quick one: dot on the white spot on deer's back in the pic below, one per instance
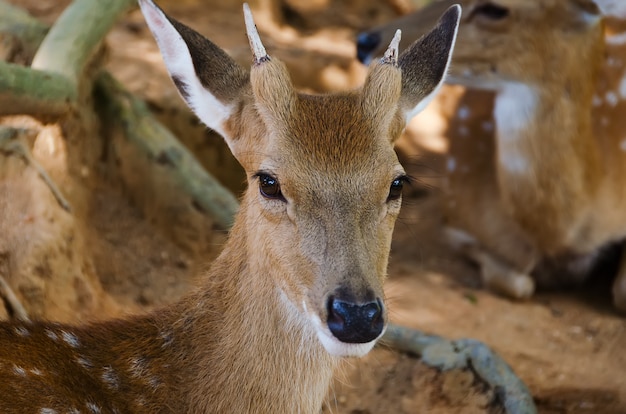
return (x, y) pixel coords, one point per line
(17, 370)
(611, 98)
(84, 362)
(622, 145)
(109, 377)
(70, 339)
(47, 411)
(36, 371)
(463, 112)
(93, 408)
(451, 164)
(51, 334)
(21, 331)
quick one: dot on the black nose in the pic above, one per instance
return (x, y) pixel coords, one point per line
(366, 43)
(354, 323)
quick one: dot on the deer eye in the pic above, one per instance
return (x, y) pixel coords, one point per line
(490, 11)
(269, 187)
(395, 190)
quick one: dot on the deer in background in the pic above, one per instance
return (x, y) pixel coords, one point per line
(542, 201)
(299, 282)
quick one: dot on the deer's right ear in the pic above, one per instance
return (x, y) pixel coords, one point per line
(425, 63)
(209, 80)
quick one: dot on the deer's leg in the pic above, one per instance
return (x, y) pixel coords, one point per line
(496, 274)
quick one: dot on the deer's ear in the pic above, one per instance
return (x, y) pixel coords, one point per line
(425, 63)
(207, 78)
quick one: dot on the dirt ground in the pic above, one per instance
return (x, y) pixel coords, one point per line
(566, 345)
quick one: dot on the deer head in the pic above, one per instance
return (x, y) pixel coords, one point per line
(324, 181)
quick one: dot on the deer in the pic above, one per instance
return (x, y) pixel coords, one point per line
(299, 284)
(537, 199)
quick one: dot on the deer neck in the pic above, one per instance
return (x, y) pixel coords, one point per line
(546, 159)
(250, 341)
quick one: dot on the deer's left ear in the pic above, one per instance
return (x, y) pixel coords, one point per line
(425, 64)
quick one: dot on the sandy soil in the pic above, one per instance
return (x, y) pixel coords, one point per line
(566, 345)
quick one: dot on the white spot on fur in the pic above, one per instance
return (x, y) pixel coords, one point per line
(463, 112)
(622, 145)
(70, 339)
(21, 331)
(36, 371)
(47, 411)
(17, 370)
(109, 377)
(74, 411)
(611, 98)
(451, 164)
(93, 408)
(84, 362)
(51, 334)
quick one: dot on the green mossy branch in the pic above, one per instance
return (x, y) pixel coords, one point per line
(34, 92)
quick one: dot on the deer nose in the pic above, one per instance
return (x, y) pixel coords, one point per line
(355, 323)
(366, 43)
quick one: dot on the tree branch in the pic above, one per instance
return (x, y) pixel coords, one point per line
(471, 354)
(73, 39)
(34, 92)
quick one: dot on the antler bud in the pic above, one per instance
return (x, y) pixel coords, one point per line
(391, 55)
(258, 50)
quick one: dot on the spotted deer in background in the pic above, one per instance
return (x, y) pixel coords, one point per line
(542, 201)
(298, 285)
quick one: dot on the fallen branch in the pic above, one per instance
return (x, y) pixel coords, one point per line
(11, 142)
(471, 354)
